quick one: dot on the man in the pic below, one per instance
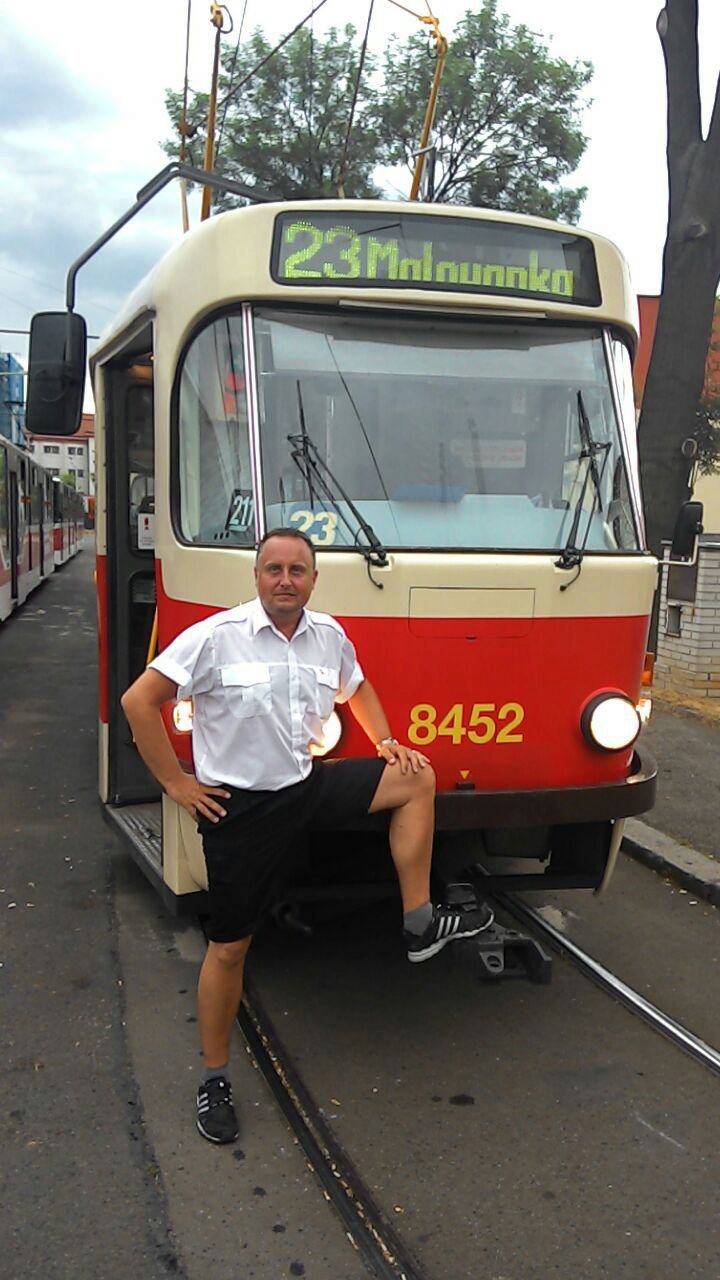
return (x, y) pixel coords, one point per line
(263, 678)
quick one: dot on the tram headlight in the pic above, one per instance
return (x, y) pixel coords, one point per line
(611, 721)
(331, 734)
(182, 716)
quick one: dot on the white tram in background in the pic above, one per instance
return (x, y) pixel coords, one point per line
(442, 399)
(41, 524)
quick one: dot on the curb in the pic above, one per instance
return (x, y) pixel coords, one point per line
(695, 871)
(705, 715)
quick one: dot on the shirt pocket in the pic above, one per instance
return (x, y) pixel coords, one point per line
(326, 683)
(247, 689)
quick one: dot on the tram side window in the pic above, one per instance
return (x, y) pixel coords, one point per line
(216, 494)
(3, 495)
(36, 496)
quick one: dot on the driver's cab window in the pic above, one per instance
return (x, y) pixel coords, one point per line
(216, 493)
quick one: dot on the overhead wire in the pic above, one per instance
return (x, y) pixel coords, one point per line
(45, 284)
(311, 102)
(441, 49)
(231, 77)
(218, 22)
(232, 92)
(183, 126)
(342, 167)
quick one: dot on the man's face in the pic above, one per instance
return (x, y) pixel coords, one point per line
(284, 577)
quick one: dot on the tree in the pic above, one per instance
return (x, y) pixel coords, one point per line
(707, 417)
(507, 128)
(691, 270)
(285, 129)
(707, 435)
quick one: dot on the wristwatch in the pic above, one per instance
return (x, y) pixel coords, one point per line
(385, 742)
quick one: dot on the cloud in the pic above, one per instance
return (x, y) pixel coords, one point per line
(36, 89)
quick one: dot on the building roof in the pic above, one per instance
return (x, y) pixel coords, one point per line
(87, 426)
(85, 431)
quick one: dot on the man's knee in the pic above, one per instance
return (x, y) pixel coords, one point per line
(396, 789)
(428, 778)
(426, 781)
(230, 955)
(418, 785)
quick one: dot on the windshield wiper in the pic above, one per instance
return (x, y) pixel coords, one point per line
(315, 470)
(572, 555)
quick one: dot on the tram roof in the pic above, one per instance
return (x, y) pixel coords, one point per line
(212, 266)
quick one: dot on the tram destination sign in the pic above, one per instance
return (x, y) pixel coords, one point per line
(405, 251)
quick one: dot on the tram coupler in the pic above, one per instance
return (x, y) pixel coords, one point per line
(497, 952)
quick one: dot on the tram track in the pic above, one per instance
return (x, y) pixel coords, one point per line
(598, 973)
(365, 1224)
(366, 1227)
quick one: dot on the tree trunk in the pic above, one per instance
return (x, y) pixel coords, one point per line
(675, 381)
(691, 269)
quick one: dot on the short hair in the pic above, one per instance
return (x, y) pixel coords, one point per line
(285, 533)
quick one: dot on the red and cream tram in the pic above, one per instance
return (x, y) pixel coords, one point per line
(442, 399)
(29, 525)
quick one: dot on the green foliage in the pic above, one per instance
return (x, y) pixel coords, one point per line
(507, 124)
(707, 417)
(507, 128)
(67, 478)
(707, 434)
(285, 130)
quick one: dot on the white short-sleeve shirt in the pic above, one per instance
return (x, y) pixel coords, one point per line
(259, 699)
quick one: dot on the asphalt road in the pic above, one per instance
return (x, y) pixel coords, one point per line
(510, 1132)
(80, 1189)
(687, 748)
(103, 1175)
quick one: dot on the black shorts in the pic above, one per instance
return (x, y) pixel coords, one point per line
(249, 852)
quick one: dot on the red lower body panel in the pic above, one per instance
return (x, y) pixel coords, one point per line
(488, 706)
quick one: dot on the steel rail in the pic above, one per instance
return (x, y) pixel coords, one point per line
(626, 995)
(366, 1227)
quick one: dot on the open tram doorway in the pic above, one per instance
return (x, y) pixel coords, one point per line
(127, 395)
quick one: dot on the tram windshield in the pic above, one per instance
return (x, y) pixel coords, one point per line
(441, 433)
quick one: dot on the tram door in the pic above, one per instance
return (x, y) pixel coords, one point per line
(130, 561)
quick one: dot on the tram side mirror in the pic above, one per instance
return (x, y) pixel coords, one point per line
(56, 373)
(688, 528)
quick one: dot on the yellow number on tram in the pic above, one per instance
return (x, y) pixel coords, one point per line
(307, 520)
(486, 723)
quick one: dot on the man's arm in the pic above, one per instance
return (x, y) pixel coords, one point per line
(141, 704)
(368, 711)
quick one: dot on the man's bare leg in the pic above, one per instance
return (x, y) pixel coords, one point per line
(411, 796)
(220, 989)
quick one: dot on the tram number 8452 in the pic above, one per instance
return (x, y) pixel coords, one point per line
(486, 723)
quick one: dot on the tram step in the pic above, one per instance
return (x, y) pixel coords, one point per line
(141, 826)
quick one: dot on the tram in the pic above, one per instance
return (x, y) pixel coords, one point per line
(442, 399)
(68, 521)
(37, 514)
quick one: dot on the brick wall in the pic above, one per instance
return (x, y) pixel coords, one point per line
(689, 661)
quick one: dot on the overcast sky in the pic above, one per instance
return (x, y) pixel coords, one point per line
(82, 111)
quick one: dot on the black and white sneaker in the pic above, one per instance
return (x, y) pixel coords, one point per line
(216, 1117)
(448, 924)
